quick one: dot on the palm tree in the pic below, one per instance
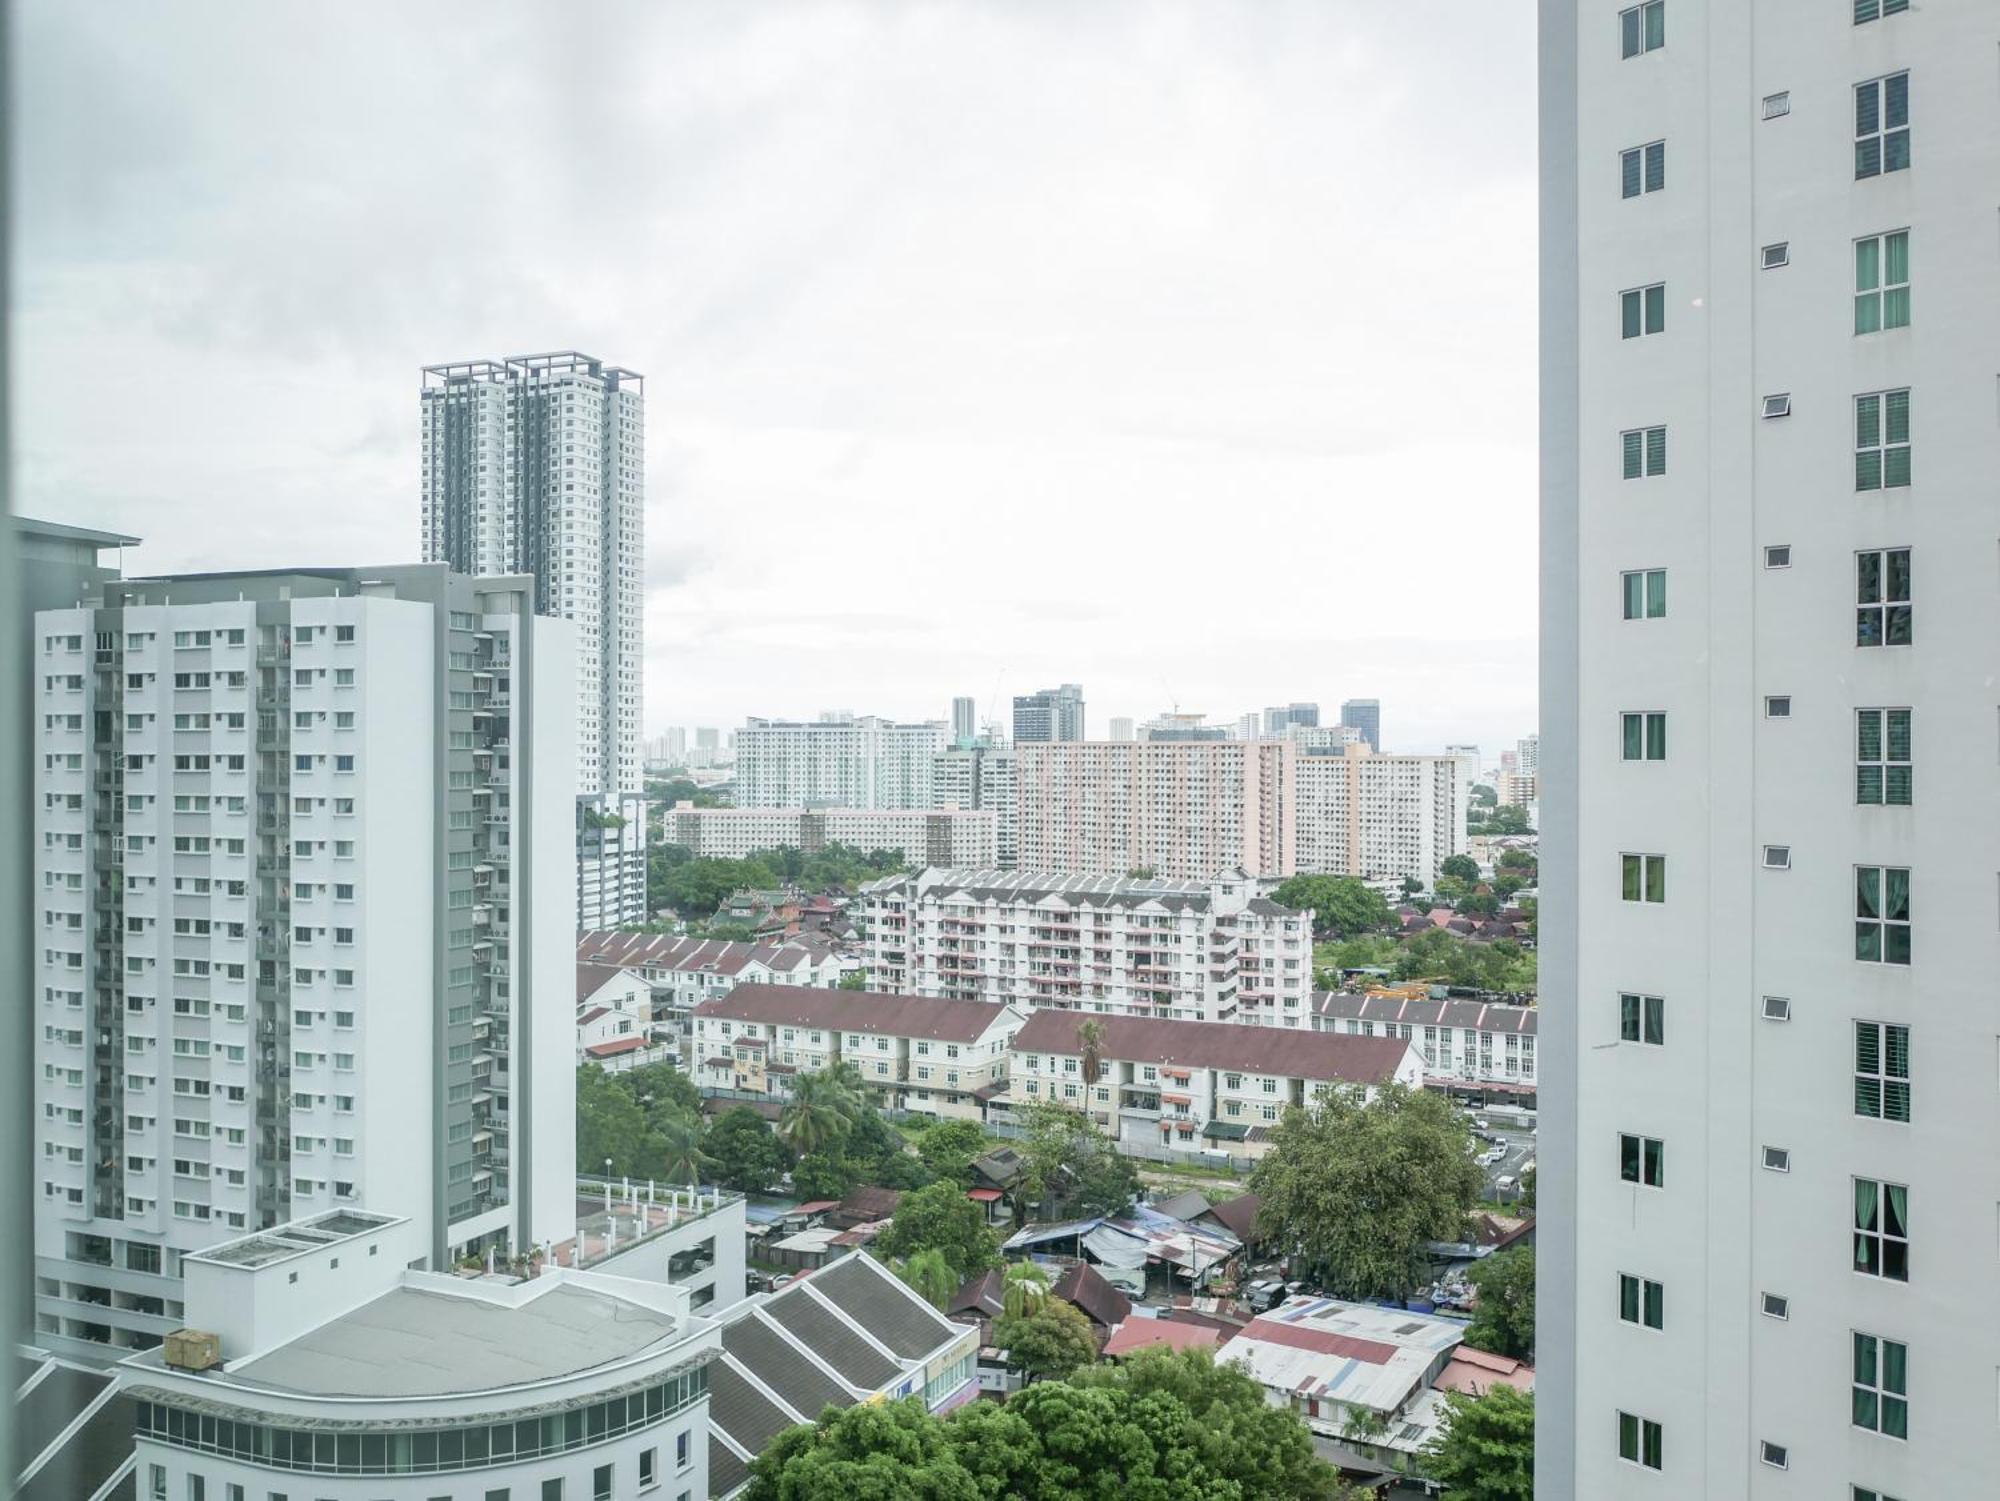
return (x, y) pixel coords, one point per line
(1024, 1290)
(1090, 1042)
(819, 1113)
(678, 1142)
(929, 1274)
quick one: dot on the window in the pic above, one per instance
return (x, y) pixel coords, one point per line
(1882, 770)
(552, 1490)
(649, 1467)
(1643, 736)
(600, 1483)
(1642, 1160)
(1643, 169)
(1645, 594)
(1882, 1230)
(682, 1454)
(1778, 255)
(1881, 914)
(1778, 706)
(1777, 105)
(1862, 1493)
(1882, 585)
(1643, 28)
(1639, 1440)
(1776, 1307)
(1642, 1019)
(1777, 1160)
(1778, 557)
(1643, 310)
(1777, 1008)
(1882, 1071)
(1881, 1386)
(1882, 440)
(1882, 125)
(1778, 406)
(1642, 1301)
(1643, 878)
(1869, 10)
(1774, 1455)
(1645, 452)
(1777, 857)
(1882, 282)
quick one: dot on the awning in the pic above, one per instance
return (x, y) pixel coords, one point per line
(1114, 1248)
(1225, 1131)
(984, 1195)
(1177, 1099)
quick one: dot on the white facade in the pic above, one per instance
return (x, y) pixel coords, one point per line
(684, 972)
(1185, 810)
(1379, 817)
(1772, 956)
(346, 1377)
(536, 464)
(836, 761)
(610, 861)
(295, 884)
(1465, 1044)
(1189, 950)
(919, 835)
(981, 777)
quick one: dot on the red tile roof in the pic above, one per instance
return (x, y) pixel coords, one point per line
(873, 1011)
(1137, 1334)
(1334, 1057)
(613, 1049)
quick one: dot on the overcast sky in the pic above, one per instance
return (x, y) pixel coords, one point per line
(1185, 351)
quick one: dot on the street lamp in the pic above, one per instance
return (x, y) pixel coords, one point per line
(607, 1185)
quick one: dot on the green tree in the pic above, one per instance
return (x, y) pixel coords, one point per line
(1412, 886)
(884, 1451)
(1512, 819)
(1516, 860)
(823, 1175)
(1339, 904)
(1090, 1043)
(1484, 796)
(1068, 1166)
(1528, 1189)
(1024, 1289)
(930, 1274)
(1459, 867)
(941, 1218)
(1051, 1340)
(1503, 1319)
(949, 1147)
(1358, 1185)
(673, 1152)
(609, 1124)
(854, 979)
(820, 1113)
(1485, 1450)
(746, 1152)
(661, 1090)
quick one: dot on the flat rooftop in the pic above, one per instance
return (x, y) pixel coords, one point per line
(414, 1342)
(294, 1239)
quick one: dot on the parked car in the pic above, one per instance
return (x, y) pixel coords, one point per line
(1506, 1184)
(1266, 1292)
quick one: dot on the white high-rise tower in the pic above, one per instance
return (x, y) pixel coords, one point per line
(1770, 330)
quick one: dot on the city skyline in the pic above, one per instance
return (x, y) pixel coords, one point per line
(974, 321)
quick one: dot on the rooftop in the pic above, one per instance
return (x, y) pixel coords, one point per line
(873, 1011)
(1480, 1016)
(1353, 1353)
(294, 1239)
(1333, 1057)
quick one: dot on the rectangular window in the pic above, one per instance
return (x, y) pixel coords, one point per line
(1643, 169)
(1882, 1230)
(600, 1483)
(1883, 613)
(1642, 1301)
(1869, 10)
(1882, 440)
(1882, 125)
(1643, 28)
(1643, 878)
(1881, 914)
(1881, 1386)
(1643, 736)
(1642, 1019)
(1882, 771)
(1882, 1071)
(1645, 594)
(1643, 310)
(1882, 282)
(1642, 1160)
(1639, 1440)
(649, 1467)
(1644, 452)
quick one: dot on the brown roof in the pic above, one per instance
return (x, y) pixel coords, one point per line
(867, 1204)
(1239, 1216)
(1081, 1284)
(1335, 1057)
(984, 1294)
(1480, 1016)
(591, 978)
(855, 1011)
(1137, 1334)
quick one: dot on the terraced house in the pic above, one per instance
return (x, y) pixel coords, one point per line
(1466, 1045)
(936, 1057)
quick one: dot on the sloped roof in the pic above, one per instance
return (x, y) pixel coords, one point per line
(873, 1011)
(1479, 1016)
(1238, 1216)
(1137, 1334)
(1335, 1057)
(592, 977)
(1083, 1285)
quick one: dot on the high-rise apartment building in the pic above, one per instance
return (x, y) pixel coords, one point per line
(1175, 725)
(1365, 715)
(1767, 1181)
(1183, 810)
(964, 721)
(303, 907)
(1528, 754)
(536, 464)
(981, 777)
(1385, 818)
(1281, 717)
(1049, 714)
(836, 761)
(1121, 727)
(922, 836)
(611, 861)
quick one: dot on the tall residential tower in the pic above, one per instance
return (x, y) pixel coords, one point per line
(1770, 331)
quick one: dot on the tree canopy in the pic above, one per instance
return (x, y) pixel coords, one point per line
(1503, 1320)
(647, 1121)
(941, 1218)
(1162, 1426)
(949, 1147)
(1358, 1186)
(1486, 1449)
(694, 886)
(745, 1152)
(1462, 867)
(1051, 1338)
(1340, 904)
(1069, 1167)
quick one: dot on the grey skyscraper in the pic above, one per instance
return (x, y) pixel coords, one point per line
(1365, 715)
(1279, 718)
(535, 464)
(964, 726)
(1049, 714)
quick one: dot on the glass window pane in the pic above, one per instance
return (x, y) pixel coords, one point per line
(1656, 582)
(1656, 450)
(1896, 151)
(1656, 25)
(1867, 421)
(1628, 169)
(1656, 1020)
(1628, 25)
(1628, 1299)
(1656, 309)
(1656, 166)
(1867, 108)
(1632, 442)
(1895, 468)
(1635, 592)
(1631, 726)
(1629, 315)
(1656, 737)
(1867, 265)
(1896, 100)
(1868, 734)
(1897, 248)
(1630, 877)
(1868, 942)
(1896, 893)
(1896, 308)
(1868, 313)
(1898, 409)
